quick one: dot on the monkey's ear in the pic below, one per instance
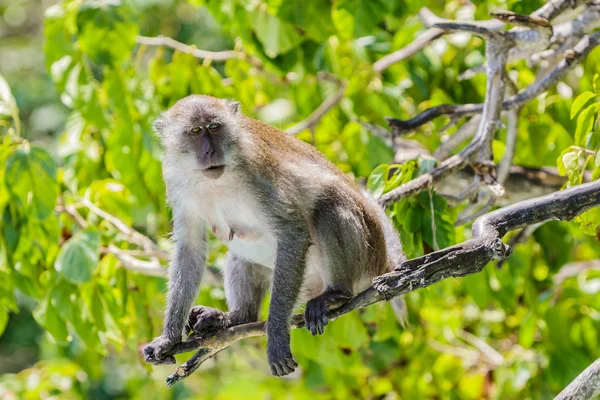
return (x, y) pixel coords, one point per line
(234, 106)
(159, 125)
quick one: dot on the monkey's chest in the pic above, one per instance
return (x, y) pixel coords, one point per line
(237, 220)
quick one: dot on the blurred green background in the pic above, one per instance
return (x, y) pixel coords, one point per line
(77, 100)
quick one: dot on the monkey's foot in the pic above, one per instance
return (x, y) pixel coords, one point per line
(207, 319)
(315, 315)
(280, 359)
(154, 353)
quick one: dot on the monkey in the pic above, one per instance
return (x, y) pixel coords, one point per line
(293, 222)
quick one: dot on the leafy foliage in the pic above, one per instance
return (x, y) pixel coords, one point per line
(95, 313)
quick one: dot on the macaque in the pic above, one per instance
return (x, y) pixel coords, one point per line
(292, 221)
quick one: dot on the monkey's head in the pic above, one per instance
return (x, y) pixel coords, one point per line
(203, 127)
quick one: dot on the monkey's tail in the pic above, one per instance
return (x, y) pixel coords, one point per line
(396, 257)
(400, 310)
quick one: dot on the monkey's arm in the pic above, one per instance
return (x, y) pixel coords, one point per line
(185, 274)
(292, 245)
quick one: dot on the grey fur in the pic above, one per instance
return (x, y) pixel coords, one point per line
(330, 241)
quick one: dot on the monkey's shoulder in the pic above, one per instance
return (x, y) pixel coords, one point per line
(280, 149)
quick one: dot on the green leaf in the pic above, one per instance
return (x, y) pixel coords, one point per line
(596, 173)
(367, 14)
(349, 332)
(96, 308)
(567, 161)
(79, 256)
(437, 221)
(7, 101)
(276, 36)
(412, 219)
(585, 123)
(31, 178)
(426, 166)
(568, 164)
(527, 331)
(48, 317)
(580, 101)
(377, 179)
(3, 319)
(590, 221)
(314, 17)
(106, 32)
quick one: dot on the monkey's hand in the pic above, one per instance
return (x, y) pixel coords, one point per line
(279, 354)
(207, 319)
(154, 353)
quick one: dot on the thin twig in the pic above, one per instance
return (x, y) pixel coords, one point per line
(218, 56)
(574, 269)
(467, 215)
(409, 50)
(148, 268)
(313, 119)
(133, 236)
(490, 353)
(462, 134)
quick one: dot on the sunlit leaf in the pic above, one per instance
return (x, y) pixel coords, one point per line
(47, 316)
(79, 256)
(377, 179)
(31, 178)
(580, 101)
(585, 122)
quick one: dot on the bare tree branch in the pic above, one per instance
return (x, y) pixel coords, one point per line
(126, 257)
(554, 8)
(469, 215)
(510, 145)
(585, 386)
(479, 151)
(465, 132)
(574, 269)
(460, 260)
(424, 39)
(133, 236)
(572, 57)
(409, 50)
(148, 268)
(218, 56)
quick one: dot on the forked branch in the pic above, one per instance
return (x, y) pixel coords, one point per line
(570, 59)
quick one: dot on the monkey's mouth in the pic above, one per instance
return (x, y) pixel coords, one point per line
(214, 171)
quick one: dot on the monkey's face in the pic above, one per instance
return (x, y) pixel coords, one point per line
(203, 127)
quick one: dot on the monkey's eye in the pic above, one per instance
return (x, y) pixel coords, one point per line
(213, 126)
(195, 130)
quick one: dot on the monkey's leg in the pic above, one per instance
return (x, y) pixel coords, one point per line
(245, 287)
(290, 264)
(341, 240)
